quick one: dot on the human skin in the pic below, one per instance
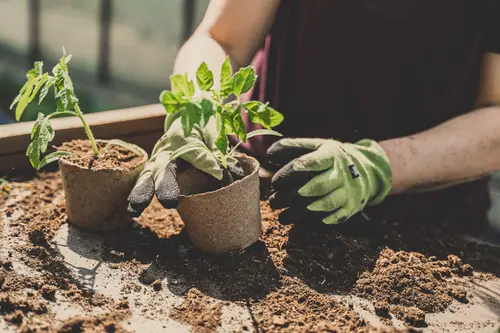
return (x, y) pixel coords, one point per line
(459, 150)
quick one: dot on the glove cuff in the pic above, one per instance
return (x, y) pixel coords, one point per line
(379, 169)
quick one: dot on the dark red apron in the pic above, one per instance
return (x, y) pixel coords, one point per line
(379, 69)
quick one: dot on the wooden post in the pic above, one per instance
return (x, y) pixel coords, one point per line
(188, 19)
(34, 32)
(103, 72)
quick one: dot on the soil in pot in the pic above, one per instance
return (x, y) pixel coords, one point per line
(96, 189)
(227, 219)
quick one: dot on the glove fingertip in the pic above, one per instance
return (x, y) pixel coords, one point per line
(140, 197)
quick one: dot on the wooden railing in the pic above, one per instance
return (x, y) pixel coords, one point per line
(140, 125)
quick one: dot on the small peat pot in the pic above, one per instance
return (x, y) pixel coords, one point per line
(227, 219)
(97, 189)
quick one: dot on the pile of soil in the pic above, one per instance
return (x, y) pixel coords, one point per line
(199, 311)
(112, 156)
(286, 280)
(410, 284)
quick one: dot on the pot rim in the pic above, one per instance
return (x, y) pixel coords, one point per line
(140, 150)
(237, 155)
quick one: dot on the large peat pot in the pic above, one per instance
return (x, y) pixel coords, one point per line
(96, 199)
(227, 219)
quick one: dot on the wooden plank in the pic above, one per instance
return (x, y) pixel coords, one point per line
(140, 125)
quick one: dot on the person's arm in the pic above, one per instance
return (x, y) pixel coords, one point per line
(462, 149)
(229, 28)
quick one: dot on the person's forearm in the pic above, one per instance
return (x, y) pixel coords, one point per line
(201, 48)
(460, 150)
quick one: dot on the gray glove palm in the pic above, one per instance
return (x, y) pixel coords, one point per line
(159, 177)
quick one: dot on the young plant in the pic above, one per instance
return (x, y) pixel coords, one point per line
(67, 104)
(224, 104)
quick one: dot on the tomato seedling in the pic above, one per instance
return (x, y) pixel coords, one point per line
(42, 132)
(196, 108)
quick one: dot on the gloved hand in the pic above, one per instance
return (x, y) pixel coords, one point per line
(327, 180)
(160, 173)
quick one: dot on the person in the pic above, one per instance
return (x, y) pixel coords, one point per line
(391, 107)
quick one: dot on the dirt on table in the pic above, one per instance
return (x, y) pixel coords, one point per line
(292, 280)
(112, 156)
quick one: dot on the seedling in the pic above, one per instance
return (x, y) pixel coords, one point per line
(67, 104)
(224, 104)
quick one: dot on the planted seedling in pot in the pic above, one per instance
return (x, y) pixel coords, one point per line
(227, 218)
(97, 174)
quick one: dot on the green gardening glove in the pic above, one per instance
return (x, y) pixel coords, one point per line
(327, 180)
(159, 176)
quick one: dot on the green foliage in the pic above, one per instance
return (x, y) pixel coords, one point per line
(39, 83)
(196, 111)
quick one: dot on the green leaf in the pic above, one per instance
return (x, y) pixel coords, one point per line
(45, 89)
(181, 86)
(204, 77)
(170, 101)
(263, 114)
(52, 157)
(262, 132)
(191, 115)
(226, 81)
(25, 97)
(198, 145)
(170, 118)
(238, 125)
(243, 80)
(40, 82)
(221, 141)
(41, 134)
(36, 71)
(33, 152)
(207, 111)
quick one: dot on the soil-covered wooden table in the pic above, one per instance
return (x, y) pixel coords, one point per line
(149, 278)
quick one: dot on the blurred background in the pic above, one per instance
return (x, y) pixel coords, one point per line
(123, 50)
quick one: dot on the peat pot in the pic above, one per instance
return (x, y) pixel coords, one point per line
(97, 199)
(227, 219)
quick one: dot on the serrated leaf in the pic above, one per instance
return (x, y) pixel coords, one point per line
(33, 152)
(181, 86)
(36, 71)
(45, 89)
(221, 141)
(226, 81)
(191, 115)
(243, 80)
(263, 114)
(52, 157)
(239, 126)
(170, 101)
(41, 134)
(204, 77)
(207, 111)
(40, 82)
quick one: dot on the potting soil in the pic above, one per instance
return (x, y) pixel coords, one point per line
(392, 277)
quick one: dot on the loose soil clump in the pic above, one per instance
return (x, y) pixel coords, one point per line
(199, 311)
(411, 281)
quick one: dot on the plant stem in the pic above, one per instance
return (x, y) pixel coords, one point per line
(87, 130)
